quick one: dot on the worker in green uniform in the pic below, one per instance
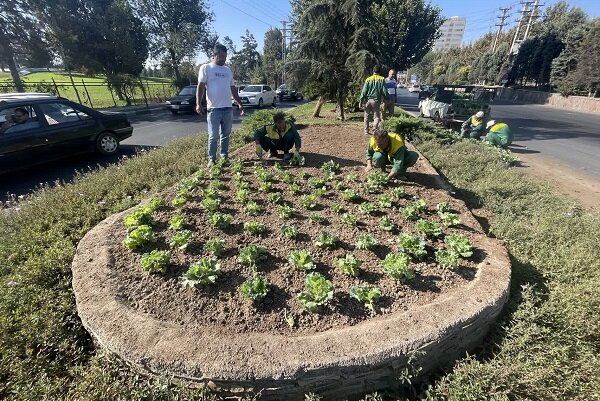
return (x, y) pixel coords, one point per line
(281, 135)
(372, 94)
(473, 126)
(499, 134)
(389, 148)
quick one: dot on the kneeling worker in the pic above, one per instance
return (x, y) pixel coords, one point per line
(281, 135)
(386, 149)
(499, 134)
(473, 126)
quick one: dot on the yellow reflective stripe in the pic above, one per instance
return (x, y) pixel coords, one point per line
(375, 78)
(396, 143)
(497, 127)
(272, 133)
(475, 121)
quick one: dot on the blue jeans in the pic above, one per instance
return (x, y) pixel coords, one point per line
(219, 118)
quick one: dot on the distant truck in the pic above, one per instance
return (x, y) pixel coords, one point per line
(450, 104)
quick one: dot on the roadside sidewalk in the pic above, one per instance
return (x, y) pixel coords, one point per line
(135, 110)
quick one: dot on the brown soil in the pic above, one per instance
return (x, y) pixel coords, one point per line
(221, 305)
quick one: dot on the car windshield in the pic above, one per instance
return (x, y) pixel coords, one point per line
(253, 88)
(284, 86)
(188, 91)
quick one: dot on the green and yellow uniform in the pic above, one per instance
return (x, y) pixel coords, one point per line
(374, 89)
(500, 135)
(395, 153)
(473, 128)
(272, 139)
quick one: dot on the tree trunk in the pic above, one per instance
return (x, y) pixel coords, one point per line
(340, 105)
(320, 103)
(175, 66)
(12, 66)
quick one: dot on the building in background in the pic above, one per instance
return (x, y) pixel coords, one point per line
(452, 32)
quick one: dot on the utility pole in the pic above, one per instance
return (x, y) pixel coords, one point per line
(500, 26)
(532, 17)
(524, 12)
(283, 38)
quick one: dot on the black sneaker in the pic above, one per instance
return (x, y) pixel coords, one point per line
(273, 153)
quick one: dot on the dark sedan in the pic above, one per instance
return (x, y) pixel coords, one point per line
(184, 101)
(285, 93)
(35, 128)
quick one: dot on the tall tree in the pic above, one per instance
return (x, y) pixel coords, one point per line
(272, 56)
(178, 29)
(587, 73)
(247, 58)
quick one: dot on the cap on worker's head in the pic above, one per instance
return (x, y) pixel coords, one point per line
(490, 123)
(479, 115)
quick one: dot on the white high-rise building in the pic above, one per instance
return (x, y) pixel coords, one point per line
(452, 32)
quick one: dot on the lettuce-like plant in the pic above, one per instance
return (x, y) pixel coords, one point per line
(316, 183)
(449, 219)
(385, 223)
(289, 232)
(411, 244)
(236, 166)
(428, 228)
(308, 201)
(176, 222)
(398, 192)
(444, 207)
(251, 255)
(181, 239)
(366, 295)
(138, 217)
(275, 197)
(326, 240)
(215, 247)
(348, 219)
(254, 227)
(241, 195)
(265, 186)
(301, 260)
(253, 208)
(367, 208)
(459, 244)
(317, 218)
(297, 160)
(284, 211)
(337, 208)
(365, 241)
(179, 201)
(220, 220)
(351, 178)
(349, 195)
(205, 271)
(295, 188)
(138, 237)
(318, 291)
(409, 212)
(395, 265)
(156, 261)
(287, 177)
(348, 265)
(211, 205)
(254, 289)
(447, 258)
(385, 201)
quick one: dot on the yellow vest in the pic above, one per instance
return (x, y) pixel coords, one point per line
(396, 142)
(475, 121)
(497, 127)
(273, 133)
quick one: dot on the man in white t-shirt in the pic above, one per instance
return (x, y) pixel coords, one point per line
(388, 104)
(217, 80)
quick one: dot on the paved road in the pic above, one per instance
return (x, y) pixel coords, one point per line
(150, 130)
(570, 137)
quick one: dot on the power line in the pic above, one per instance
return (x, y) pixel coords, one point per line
(249, 15)
(267, 13)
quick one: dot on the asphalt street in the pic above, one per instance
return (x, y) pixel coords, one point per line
(567, 136)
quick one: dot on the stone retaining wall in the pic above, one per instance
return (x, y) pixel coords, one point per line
(580, 103)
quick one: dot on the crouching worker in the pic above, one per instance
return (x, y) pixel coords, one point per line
(499, 134)
(389, 148)
(473, 126)
(281, 135)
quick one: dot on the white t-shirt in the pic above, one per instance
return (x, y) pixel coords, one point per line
(218, 80)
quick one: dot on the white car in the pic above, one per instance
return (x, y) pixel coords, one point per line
(258, 95)
(414, 88)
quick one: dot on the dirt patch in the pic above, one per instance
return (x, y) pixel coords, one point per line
(581, 187)
(221, 305)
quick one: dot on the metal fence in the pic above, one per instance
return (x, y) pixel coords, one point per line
(99, 93)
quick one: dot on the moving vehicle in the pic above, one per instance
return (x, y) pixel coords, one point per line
(456, 103)
(184, 101)
(55, 128)
(283, 92)
(258, 95)
(414, 88)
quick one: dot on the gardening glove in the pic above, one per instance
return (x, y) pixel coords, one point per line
(259, 151)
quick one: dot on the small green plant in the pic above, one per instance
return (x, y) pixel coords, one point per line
(215, 247)
(138, 237)
(337, 208)
(181, 239)
(385, 201)
(179, 201)
(326, 240)
(385, 223)
(220, 220)
(254, 289)
(254, 227)
(349, 195)
(419, 204)
(348, 265)
(156, 261)
(409, 212)
(236, 166)
(367, 208)
(318, 291)
(459, 244)
(215, 186)
(317, 218)
(304, 175)
(349, 219)
(443, 207)
(265, 186)
(176, 222)
(350, 178)
(316, 183)
(331, 167)
(138, 217)
(211, 205)
(275, 197)
(301, 260)
(449, 219)
(297, 160)
(189, 184)
(251, 255)
(375, 181)
(287, 177)
(242, 195)
(319, 192)
(199, 174)
(365, 241)
(205, 271)
(366, 295)
(398, 192)
(211, 193)
(215, 171)
(295, 188)
(289, 232)
(411, 244)
(253, 208)
(308, 201)
(284, 211)
(428, 228)
(395, 265)
(338, 185)
(446, 258)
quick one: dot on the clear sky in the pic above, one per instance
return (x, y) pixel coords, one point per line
(233, 17)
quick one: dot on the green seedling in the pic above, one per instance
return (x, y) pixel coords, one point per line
(366, 241)
(459, 244)
(385, 201)
(348, 219)
(428, 228)
(211, 205)
(317, 218)
(409, 212)
(176, 222)
(367, 208)
(254, 227)
(308, 201)
(398, 192)
(254, 289)
(348, 265)
(220, 220)
(181, 239)
(366, 295)
(251, 255)
(242, 195)
(443, 207)
(138, 217)
(449, 219)
(385, 223)
(289, 232)
(326, 240)
(349, 195)
(447, 258)
(275, 197)
(337, 208)
(205, 271)
(395, 265)
(179, 201)
(253, 208)
(412, 245)
(138, 237)
(318, 291)
(284, 212)
(295, 188)
(214, 247)
(155, 261)
(301, 260)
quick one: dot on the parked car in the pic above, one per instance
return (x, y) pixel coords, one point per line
(55, 128)
(426, 91)
(184, 101)
(414, 88)
(283, 92)
(257, 95)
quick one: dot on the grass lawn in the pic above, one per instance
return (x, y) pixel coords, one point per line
(545, 346)
(157, 89)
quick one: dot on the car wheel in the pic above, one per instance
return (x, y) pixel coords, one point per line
(281, 98)
(107, 144)
(260, 103)
(274, 104)
(174, 111)
(301, 97)
(436, 116)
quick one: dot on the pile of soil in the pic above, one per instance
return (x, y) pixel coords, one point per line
(220, 305)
